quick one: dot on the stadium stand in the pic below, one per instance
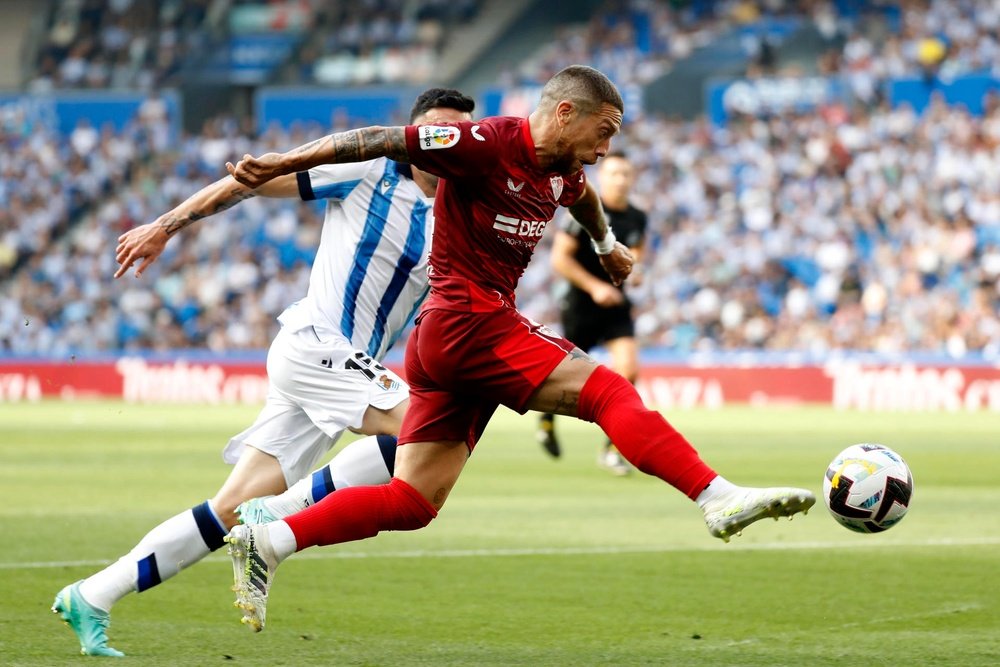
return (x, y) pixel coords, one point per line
(857, 225)
(118, 43)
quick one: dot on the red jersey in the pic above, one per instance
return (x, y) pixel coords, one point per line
(492, 205)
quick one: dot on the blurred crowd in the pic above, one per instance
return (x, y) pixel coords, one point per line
(141, 44)
(117, 43)
(941, 39)
(379, 41)
(220, 285)
(634, 41)
(849, 227)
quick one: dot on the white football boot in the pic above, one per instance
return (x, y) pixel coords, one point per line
(737, 508)
(254, 563)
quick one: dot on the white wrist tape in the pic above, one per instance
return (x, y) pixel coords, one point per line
(607, 245)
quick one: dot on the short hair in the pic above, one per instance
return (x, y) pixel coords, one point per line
(584, 86)
(441, 98)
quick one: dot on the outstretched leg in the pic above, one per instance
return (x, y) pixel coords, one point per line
(579, 387)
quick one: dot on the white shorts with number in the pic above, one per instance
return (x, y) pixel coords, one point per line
(316, 390)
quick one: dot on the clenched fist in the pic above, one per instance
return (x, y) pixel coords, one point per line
(255, 171)
(618, 263)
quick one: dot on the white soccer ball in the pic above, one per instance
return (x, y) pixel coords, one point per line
(868, 487)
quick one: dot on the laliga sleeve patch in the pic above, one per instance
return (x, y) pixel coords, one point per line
(438, 136)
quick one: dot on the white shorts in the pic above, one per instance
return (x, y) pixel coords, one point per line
(316, 390)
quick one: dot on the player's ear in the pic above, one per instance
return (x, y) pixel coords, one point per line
(565, 110)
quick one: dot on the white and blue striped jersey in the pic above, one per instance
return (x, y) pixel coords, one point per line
(370, 272)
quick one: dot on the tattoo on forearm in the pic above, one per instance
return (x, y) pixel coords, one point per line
(310, 146)
(175, 223)
(346, 147)
(369, 143)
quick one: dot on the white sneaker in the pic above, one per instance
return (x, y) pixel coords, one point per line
(254, 563)
(734, 510)
(614, 463)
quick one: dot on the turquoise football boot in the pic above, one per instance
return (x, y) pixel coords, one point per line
(255, 511)
(88, 622)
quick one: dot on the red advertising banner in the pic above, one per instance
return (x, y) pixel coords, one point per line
(135, 380)
(844, 384)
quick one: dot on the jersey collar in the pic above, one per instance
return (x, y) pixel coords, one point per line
(529, 143)
(404, 169)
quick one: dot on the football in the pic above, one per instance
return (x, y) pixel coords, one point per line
(868, 488)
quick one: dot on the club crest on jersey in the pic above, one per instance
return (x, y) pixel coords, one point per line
(438, 136)
(557, 186)
(388, 383)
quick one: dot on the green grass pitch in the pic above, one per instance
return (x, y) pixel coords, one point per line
(532, 562)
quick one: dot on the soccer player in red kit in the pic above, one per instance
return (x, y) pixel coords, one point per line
(502, 181)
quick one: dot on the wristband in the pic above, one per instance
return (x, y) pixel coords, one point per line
(605, 246)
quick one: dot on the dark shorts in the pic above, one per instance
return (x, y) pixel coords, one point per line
(461, 365)
(588, 325)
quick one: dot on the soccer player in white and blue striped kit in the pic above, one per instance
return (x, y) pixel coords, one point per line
(368, 279)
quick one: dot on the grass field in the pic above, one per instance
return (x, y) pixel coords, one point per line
(533, 561)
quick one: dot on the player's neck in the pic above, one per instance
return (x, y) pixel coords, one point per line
(426, 182)
(545, 137)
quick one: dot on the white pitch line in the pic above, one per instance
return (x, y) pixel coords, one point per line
(332, 554)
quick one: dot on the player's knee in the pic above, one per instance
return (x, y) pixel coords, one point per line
(607, 390)
(410, 510)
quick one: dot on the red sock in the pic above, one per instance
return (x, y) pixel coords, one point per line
(642, 436)
(359, 512)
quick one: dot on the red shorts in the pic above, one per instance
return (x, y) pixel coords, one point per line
(461, 365)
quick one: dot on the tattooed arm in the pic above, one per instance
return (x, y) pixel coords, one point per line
(147, 242)
(351, 146)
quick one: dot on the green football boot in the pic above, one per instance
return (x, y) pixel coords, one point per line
(88, 622)
(255, 511)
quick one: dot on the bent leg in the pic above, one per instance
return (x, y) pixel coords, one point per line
(580, 388)
(425, 475)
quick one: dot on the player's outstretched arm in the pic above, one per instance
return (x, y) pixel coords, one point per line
(616, 260)
(147, 242)
(367, 143)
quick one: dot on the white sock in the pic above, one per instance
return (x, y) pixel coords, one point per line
(365, 462)
(178, 542)
(715, 488)
(282, 539)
